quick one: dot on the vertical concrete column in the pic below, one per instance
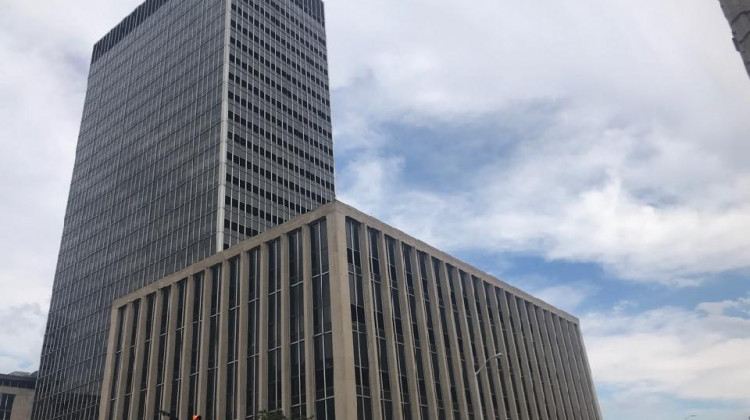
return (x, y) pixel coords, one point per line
(390, 335)
(573, 335)
(484, 377)
(187, 339)
(154, 357)
(504, 360)
(437, 326)
(202, 394)
(343, 354)
(453, 336)
(559, 353)
(372, 340)
(423, 333)
(244, 330)
(411, 366)
(534, 363)
(469, 355)
(221, 191)
(515, 358)
(124, 360)
(541, 351)
(138, 365)
(221, 370)
(550, 376)
(263, 329)
(104, 404)
(307, 290)
(286, 358)
(524, 356)
(573, 365)
(174, 296)
(587, 366)
(493, 367)
(573, 387)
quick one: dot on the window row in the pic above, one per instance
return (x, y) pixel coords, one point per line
(250, 17)
(308, 34)
(243, 122)
(180, 349)
(536, 365)
(272, 176)
(284, 145)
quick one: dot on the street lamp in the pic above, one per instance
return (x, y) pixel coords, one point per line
(476, 381)
(168, 415)
(172, 416)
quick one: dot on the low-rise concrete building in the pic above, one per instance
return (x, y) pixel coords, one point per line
(337, 315)
(16, 395)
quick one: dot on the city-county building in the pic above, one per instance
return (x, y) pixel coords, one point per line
(336, 315)
(16, 395)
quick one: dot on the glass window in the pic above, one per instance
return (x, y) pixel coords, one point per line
(213, 342)
(415, 332)
(322, 335)
(233, 335)
(485, 354)
(179, 339)
(197, 320)
(6, 406)
(438, 275)
(297, 325)
(458, 324)
(252, 334)
(162, 351)
(131, 359)
(274, 326)
(383, 348)
(398, 327)
(359, 324)
(431, 340)
(117, 362)
(143, 386)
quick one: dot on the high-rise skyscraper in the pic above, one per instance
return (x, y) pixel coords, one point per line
(205, 122)
(738, 15)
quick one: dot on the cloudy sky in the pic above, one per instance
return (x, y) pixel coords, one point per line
(594, 153)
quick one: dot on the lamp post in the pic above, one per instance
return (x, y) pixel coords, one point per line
(170, 416)
(476, 381)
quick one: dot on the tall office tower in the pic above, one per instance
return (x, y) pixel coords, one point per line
(336, 315)
(205, 122)
(738, 15)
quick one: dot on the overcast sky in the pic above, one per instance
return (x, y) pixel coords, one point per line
(594, 153)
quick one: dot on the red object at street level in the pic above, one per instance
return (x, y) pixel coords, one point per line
(196, 417)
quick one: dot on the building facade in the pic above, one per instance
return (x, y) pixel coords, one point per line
(337, 315)
(738, 15)
(16, 395)
(205, 122)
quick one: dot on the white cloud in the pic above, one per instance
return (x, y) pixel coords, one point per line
(629, 125)
(633, 153)
(701, 354)
(650, 406)
(45, 46)
(21, 333)
(630, 117)
(567, 297)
